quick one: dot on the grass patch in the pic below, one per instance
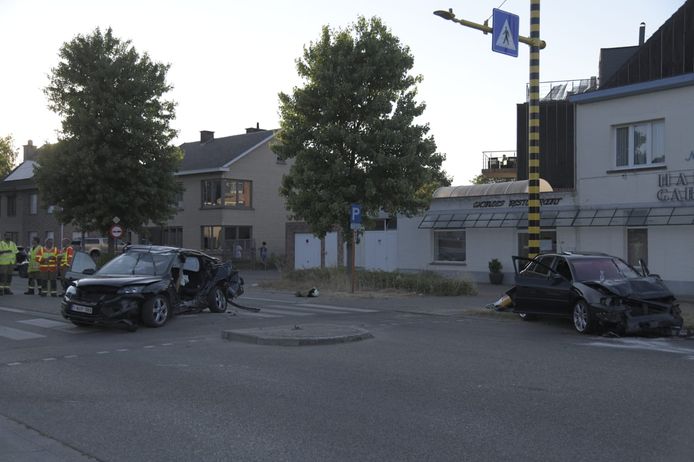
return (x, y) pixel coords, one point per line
(338, 280)
(688, 316)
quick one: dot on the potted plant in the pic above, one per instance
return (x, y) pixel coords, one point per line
(495, 274)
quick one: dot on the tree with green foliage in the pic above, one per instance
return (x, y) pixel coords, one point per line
(481, 179)
(8, 155)
(114, 156)
(350, 130)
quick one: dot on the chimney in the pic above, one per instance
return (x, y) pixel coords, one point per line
(254, 129)
(206, 136)
(30, 151)
(642, 33)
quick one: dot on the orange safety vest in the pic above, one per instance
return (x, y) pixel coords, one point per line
(66, 256)
(48, 259)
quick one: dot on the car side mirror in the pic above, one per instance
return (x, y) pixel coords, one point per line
(557, 279)
(89, 271)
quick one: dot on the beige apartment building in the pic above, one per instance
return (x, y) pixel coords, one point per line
(231, 202)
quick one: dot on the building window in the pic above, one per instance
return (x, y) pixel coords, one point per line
(172, 235)
(640, 144)
(50, 235)
(33, 204)
(211, 238)
(637, 246)
(449, 246)
(226, 193)
(31, 235)
(179, 197)
(11, 206)
(548, 242)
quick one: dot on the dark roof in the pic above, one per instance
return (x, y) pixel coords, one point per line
(667, 53)
(218, 152)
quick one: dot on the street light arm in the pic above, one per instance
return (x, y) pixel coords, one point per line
(450, 16)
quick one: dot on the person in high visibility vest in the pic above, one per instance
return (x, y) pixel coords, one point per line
(64, 262)
(8, 258)
(33, 273)
(47, 256)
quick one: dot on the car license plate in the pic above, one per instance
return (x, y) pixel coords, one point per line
(81, 308)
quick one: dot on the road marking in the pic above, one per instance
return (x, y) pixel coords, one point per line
(45, 323)
(659, 345)
(14, 364)
(49, 359)
(17, 334)
(11, 310)
(285, 311)
(338, 308)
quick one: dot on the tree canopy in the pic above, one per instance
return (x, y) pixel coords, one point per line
(8, 155)
(350, 130)
(114, 155)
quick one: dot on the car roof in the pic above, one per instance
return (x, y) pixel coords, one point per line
(161, 249)
(577, 254)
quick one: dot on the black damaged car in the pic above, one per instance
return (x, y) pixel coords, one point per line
(147, 284)
(596, 291)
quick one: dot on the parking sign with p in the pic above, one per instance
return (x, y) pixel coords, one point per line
(355, 216)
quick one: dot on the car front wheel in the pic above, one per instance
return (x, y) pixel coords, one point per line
(583, 322)
(155, 311)
(217, 302)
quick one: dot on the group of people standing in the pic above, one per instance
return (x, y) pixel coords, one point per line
(47, 264)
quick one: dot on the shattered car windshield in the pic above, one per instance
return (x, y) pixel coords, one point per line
(139, 264)
(597, 269)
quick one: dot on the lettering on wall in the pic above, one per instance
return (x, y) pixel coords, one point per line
(690, 157)
(514, 202)
(676, 187)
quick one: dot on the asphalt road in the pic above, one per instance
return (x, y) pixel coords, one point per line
(450, 387)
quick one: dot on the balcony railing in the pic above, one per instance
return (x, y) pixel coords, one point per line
(560, 90)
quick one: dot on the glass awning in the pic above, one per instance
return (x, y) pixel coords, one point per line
(558, 218)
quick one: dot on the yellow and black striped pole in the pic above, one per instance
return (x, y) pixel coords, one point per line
(534, 134)
(536, 44)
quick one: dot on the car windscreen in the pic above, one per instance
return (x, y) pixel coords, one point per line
(597, 269)
(138, 263)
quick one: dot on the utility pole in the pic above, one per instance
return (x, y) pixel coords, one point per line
(536, 44)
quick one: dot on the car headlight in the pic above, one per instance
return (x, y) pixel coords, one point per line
(610, 301)
(130, 290)
(70, 292)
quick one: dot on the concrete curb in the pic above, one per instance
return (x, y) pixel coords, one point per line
(313, 334)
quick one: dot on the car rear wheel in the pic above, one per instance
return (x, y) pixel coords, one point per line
(217, 302)
(155, 311)
(583, 322)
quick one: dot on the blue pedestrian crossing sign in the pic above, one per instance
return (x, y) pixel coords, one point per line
(505, 33)
(355, 216)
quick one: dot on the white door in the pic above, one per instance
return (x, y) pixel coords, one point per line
(306, 251)
(331, 250)
(381, 250)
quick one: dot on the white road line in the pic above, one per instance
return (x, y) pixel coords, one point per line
(257, 315)
(273, 300)
(45, 323)
(338, 308)
(17, 334)
(285, 312)
(11, 310)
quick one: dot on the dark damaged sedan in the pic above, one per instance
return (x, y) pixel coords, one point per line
(148, 284)
(596, 291)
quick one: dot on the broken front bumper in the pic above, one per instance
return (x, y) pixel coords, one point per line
(639, 319)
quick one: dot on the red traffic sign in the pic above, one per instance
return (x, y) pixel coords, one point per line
(116, 231)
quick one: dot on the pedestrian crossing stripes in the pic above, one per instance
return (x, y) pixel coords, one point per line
(269, 308)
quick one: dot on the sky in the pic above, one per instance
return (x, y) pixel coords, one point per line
(230, 59)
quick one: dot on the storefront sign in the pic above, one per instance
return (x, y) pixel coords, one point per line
(676, 186)
(513, 203)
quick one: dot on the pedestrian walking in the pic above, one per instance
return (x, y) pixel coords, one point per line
(33, 274)
(8, 258)
(47, 257)
(263, 254)
(64, 261)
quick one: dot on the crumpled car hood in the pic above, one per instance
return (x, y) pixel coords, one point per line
(117, 281)
(647, 288)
